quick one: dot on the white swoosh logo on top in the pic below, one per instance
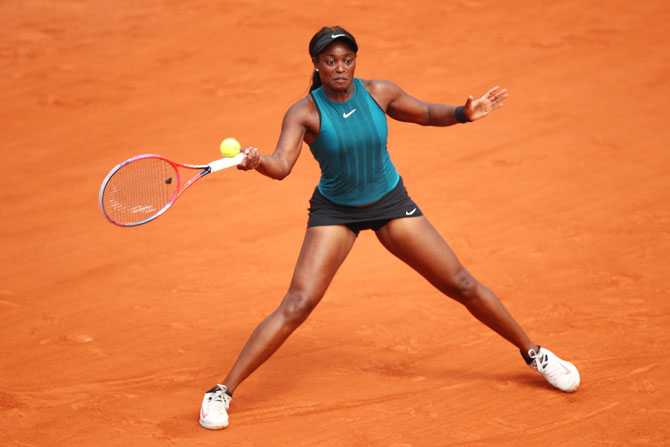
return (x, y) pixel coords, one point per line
(347, 115)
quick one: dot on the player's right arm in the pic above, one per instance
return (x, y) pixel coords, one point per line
(280, 163)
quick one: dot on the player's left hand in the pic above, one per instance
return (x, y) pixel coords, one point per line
(478, 108)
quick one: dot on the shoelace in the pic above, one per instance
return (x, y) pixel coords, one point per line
(542, 365)
(219, 400)
(539, 363)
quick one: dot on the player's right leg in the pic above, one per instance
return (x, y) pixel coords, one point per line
(323, 251)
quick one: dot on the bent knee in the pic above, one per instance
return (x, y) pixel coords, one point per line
(462, 286)
(297, 306)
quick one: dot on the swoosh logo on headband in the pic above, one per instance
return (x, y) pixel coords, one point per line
(335, 36)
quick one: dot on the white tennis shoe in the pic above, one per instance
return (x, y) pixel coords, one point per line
(214, 409)
(563, 375)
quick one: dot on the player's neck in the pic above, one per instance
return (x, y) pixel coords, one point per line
(339, 95)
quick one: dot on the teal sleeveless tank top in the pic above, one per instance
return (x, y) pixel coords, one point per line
(351, 149)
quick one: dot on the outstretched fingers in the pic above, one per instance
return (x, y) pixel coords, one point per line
(487, 103)
(496, 96)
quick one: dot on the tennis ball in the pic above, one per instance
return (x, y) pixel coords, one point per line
(230, 147)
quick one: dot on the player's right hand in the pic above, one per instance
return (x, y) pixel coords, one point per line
(251, 160)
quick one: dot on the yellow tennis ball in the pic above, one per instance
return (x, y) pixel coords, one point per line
(230, 147)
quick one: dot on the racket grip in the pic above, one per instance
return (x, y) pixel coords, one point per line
(227, 162)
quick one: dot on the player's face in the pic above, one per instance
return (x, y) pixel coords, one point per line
(336, 64)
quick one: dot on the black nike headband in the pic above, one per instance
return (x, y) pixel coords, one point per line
(326, 39)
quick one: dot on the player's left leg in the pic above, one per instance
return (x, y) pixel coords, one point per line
(416, 242)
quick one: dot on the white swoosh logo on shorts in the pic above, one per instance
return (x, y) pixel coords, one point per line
(347, 115)
(409, 213)
(335, 36)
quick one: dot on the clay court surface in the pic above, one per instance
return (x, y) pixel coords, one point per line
(559, 202)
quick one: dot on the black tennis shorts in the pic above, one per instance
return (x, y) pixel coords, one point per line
(393, 205)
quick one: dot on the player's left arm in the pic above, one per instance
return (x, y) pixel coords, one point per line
(404, 107)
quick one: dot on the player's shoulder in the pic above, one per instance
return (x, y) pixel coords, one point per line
(380, 86)
(305, 105)
(301, 110)
(382, 91)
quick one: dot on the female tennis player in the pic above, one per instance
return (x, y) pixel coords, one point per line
(343, 120)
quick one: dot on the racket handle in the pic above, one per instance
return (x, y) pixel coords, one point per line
(227, 162)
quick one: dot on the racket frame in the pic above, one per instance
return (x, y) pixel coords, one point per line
(214, 166)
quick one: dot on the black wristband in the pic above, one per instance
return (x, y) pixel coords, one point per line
(460, 115)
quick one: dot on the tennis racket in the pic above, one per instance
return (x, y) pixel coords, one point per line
(144, 187)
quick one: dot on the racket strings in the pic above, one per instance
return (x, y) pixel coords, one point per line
(140, 190)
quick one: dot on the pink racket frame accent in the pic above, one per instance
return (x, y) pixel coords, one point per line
(205, 169)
